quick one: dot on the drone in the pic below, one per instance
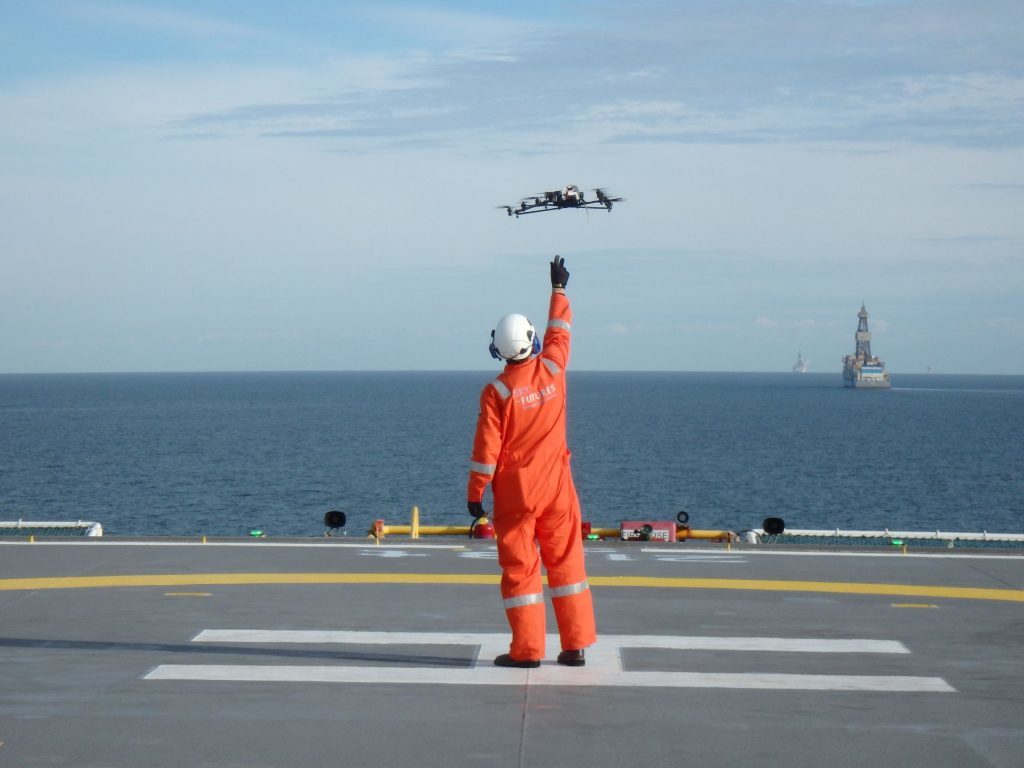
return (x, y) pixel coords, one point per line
(567, 197)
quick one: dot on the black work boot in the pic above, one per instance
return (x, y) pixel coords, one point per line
(572, 658)
(505, 660)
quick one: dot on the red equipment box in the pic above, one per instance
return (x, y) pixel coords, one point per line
(648, 530)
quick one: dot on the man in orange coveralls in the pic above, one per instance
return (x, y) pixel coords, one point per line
(520, 448)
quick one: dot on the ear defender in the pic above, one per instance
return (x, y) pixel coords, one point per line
(493, 349)
(535, 346)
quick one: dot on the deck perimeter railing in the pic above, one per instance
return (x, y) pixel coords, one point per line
(48, 528)
(948, 539)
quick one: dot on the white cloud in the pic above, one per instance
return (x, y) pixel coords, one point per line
(633, 109)
(773, 165)
(457, 27)
(615, 329)
(233, 337)
(486, 68)
(163, 20)
(1010, 325)
(635, 75)
(799, 325)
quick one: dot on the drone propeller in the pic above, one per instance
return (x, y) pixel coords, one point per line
(603, 197)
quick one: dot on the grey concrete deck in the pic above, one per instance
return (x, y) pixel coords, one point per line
(380, 656)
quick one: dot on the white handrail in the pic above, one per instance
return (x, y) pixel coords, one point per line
(887, 534)
(90, 528)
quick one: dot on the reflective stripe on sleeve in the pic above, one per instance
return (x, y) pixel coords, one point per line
(551, 365)
(483, 469)
(520, 600)
(560, 324)
(504, 391)
(570, 589)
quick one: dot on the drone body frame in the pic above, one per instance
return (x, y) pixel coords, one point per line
(567, 197)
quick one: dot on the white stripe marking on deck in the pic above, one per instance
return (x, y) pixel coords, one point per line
(605, 642)
(604, 663)
(548, 674)
(359, 542)
(911, 555)
(915, 555)
(377, 552)
(688, 558)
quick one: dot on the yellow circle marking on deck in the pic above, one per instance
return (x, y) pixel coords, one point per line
(766, 585)
(210, 579)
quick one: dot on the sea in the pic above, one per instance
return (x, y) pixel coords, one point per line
(227, 454)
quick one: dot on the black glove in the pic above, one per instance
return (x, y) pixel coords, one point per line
(559, 274)
(476, 509)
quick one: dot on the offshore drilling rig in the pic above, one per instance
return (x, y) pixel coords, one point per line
(862, 370)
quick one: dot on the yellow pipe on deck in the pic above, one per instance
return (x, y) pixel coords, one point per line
(681, 533)
(691, 533)
(379, 530)
(424, 530)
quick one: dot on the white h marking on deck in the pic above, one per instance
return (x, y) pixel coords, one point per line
(604, 665)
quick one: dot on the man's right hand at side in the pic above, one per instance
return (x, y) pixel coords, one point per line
(476, 509)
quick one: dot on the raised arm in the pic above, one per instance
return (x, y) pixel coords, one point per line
(558, 333)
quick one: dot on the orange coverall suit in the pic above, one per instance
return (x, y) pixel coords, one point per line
(520, 448)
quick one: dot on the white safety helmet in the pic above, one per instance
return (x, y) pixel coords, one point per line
(514, 338)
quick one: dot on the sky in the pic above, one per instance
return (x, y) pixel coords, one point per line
(246, 186)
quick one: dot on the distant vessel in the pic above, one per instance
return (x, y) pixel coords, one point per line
(800, 366)
(862, 370)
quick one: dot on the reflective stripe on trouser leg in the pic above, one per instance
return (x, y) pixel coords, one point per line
(520, 600)
(574, 613)
(570, 589)
(521, 585)
(527, 624)
(562, 550)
